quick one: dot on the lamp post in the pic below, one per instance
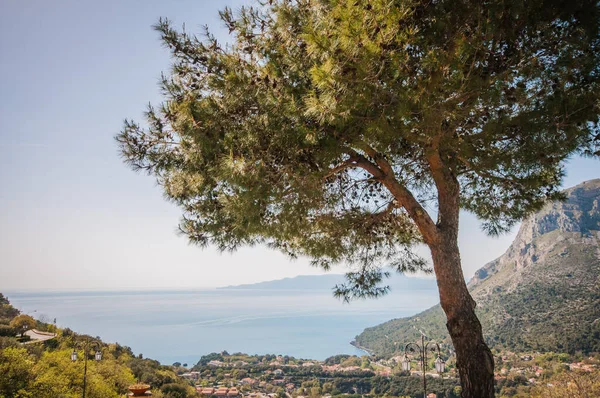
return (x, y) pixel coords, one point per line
(440, 365)
(86, 345)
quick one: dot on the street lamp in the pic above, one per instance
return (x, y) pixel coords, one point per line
(86, 345)
(440, 365)
(406, 363)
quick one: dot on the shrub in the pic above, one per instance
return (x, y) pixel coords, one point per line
(7, 331)
(173, 390)
(6, 342)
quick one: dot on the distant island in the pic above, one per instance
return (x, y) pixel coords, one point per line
(328, 281)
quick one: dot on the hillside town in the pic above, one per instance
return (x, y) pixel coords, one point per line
(275, 376)
(240, 375)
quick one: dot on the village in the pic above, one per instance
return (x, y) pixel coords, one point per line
(285, 376)
(240, 375)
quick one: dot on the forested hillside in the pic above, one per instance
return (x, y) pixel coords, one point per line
(31, 369)
(542, 294)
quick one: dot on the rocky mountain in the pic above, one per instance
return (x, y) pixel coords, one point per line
(542, 294)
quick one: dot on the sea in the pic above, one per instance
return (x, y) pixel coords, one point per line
(182, 325)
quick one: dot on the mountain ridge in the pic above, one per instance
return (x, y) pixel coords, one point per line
(328, 281)
(542, 294)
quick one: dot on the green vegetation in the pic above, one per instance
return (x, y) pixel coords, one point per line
(22, 323)
(7, 311)
(51, 373)
(45, 369)
(388, 339)
(568, 385)
(549, 375)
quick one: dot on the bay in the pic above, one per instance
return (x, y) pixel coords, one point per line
(183, 325)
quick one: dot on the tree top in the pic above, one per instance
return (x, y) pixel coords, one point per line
(334, 128)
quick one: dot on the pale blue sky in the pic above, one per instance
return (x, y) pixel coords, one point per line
(71, 214)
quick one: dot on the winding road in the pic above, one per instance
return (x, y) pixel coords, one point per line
(39, 336)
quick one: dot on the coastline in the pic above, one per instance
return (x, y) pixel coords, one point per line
(303, 325)
(358, 346)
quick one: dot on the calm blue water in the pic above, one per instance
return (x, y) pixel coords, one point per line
(183, 325)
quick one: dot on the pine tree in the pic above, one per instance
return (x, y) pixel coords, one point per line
(349, 131)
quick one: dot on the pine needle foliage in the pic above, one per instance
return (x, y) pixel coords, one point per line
(301, 132)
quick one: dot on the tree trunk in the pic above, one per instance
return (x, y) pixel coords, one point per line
(474, 359)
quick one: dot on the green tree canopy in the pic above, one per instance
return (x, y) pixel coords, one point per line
(283, 136)
(348, 131)
(7, 311)
(15, 371)
(23, 323)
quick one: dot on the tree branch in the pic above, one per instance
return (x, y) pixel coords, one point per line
(447, 187)
(351, 162)
(483, 173)
(384, 172)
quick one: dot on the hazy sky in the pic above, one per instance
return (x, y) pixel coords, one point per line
(72, 215)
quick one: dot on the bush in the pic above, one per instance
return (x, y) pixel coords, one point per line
(51, 344)
(6, 342)
(173, 390)
(7, 331)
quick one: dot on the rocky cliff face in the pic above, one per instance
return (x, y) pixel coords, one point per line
(543, 293)
(558, 224)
